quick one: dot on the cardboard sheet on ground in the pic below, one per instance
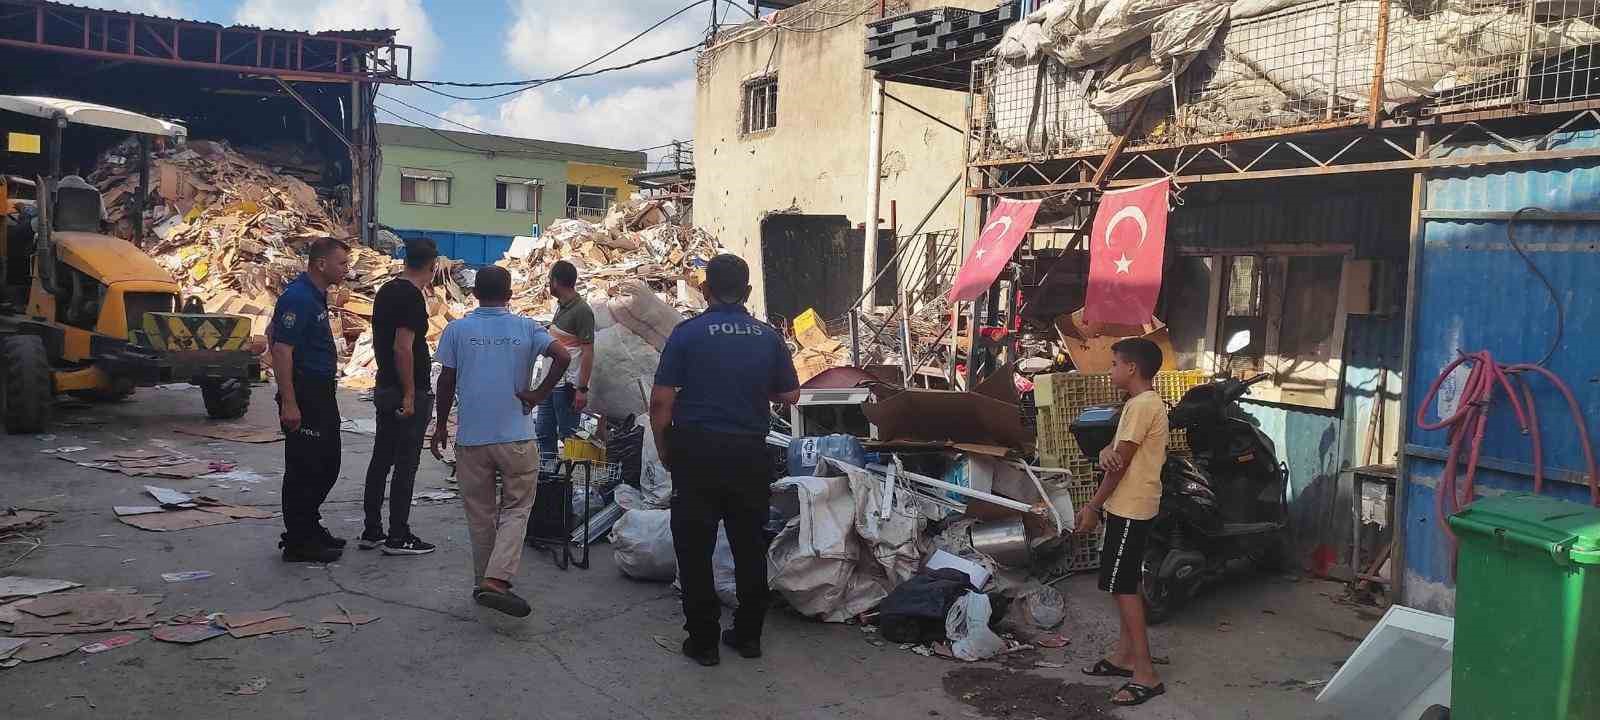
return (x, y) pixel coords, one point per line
(236, 433)
(187, 634)
(17, 586)
(13, 520)
(142, 463)
(44, 648)
(9, 645)
(9, 612)
(176, 520)
(239, 512)
(86, 612)
(283, 624)
(236, 620)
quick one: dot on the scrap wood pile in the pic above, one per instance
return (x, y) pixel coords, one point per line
(233, 230)
(636, 241)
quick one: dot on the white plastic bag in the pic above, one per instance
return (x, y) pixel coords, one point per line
(643, 543)
(967, 626)
(655, 481)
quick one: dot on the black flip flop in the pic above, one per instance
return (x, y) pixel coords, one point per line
(1140, 693)
(1104, 668)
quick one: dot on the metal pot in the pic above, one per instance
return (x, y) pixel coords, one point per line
(1006, 541)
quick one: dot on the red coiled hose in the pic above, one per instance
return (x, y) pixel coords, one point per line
(1472, 414)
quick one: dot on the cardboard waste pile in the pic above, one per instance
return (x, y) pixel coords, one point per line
(636, 241)
(233, 232)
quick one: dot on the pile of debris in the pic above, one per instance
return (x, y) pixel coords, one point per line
(233, 231)
(636, 241)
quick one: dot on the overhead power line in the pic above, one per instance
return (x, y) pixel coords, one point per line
(541, 83)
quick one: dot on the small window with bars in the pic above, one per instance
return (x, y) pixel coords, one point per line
(760, 105)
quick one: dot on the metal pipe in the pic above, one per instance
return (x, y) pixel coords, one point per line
(905, 338)
(855, 337)
(869, 261)
(1419, 202)
(313, 110)
(1375, 101)
(144, 189)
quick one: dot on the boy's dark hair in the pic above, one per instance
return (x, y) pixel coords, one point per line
(1142, 353)
(493, 284)
(420, 252)
(564, 274)
(727, 276)
(324, 247)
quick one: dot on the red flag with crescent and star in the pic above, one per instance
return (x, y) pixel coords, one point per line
(1126, 249)
(1009, 222)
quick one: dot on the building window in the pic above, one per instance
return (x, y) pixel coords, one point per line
(589, 202)
(424, 187)
(516, 195)
(760, 105)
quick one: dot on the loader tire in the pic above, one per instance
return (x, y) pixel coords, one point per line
(226, 399)
(25, 384)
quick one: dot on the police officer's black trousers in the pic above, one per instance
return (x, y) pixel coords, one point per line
(720, 477)
(310, 458)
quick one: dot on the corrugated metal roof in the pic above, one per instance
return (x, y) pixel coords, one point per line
(453, 141)
(380, 35)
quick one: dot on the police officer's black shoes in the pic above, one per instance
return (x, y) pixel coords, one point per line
(327, 539)
(308, 552)
(706, 657)
(751, 649)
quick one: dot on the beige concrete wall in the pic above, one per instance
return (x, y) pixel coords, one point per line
(815, 160)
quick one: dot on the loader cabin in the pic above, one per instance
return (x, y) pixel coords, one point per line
(82, 311)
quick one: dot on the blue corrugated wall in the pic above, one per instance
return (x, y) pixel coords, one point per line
(1474, 293)
(475, 249)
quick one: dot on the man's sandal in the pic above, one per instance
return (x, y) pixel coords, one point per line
(1139, 693)
(1104, 668)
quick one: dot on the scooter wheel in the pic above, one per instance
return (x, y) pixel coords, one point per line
(1162, 596)
(1436, 712)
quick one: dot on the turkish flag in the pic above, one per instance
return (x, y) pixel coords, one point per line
(1009, 222)
(1126, 248)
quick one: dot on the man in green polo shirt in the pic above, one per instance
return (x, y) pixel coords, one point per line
(573, 329)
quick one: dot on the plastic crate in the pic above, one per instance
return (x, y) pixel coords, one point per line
(1060, 398)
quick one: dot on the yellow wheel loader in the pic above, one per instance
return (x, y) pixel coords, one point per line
(82, 311)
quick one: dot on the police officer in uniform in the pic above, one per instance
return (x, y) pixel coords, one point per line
(709, 415)
(305, 362)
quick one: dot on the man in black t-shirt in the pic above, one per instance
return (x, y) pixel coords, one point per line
(403, 400)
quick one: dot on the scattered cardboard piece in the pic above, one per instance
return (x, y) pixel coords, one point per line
(17, 586)
(176, 520)
(245, 619)
(14, 520)
(44, 648)
(169, 497)
(187, 633)
(9, 645)
(283, 624)
(130, 510)
(252, 434)
(86, 612)
(239, 512)
(11, 611)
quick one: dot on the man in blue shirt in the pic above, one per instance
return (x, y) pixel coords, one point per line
(709, 413)
(488, 358)
(305, 363)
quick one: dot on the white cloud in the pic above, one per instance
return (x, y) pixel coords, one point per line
(548, 38)
(635, 117)
(408, 16)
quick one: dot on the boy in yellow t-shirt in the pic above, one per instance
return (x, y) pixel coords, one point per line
(1130, 495)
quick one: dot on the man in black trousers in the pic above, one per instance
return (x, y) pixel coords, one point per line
(709, 414)
(305, 363)
(403, 400)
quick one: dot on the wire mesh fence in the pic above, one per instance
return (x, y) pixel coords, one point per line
(1303, 64)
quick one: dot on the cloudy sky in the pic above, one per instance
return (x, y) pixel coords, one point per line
(498, 40)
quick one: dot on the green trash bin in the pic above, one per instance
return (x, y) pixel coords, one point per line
(1527, 631)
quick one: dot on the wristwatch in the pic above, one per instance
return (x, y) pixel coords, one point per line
(583, 388)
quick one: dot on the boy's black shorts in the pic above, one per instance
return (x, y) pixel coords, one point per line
(1122, 554)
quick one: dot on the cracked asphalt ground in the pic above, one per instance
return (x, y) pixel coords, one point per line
(588, 651)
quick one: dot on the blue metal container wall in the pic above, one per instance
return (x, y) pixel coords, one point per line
(1474, 293)
(475, 249)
